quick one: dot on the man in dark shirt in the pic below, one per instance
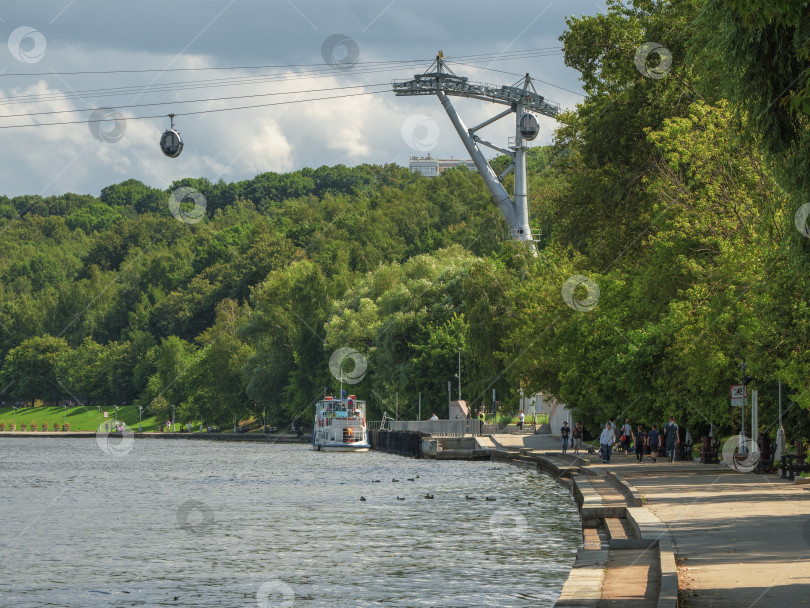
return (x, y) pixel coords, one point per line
(672, 438)
(564, 433)
(641, 442)
(654, 440)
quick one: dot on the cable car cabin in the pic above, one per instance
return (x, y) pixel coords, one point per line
(171, 144)
(529, 127)
(340, 424)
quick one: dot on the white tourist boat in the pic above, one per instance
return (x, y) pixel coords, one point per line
(340, 424)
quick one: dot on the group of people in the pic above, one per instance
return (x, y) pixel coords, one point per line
(639, 440)
(575, 435)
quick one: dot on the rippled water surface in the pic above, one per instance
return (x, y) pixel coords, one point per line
(194, 523)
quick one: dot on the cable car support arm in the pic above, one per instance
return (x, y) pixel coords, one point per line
(443, 82)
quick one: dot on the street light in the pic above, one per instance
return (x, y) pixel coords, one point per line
(140, 411)
(99, 416)
(173, 419)
(64, 421)
(459, 373)
(743, 448)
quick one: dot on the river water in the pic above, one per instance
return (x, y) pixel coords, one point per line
(196, 523)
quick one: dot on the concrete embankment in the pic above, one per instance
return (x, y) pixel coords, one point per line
(627, 554)
(663, 535)
(255, 437)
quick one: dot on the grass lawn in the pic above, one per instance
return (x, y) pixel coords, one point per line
(80, 418)
(87, 419)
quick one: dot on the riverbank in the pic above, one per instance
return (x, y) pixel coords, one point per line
(676, 534)
(256, 437)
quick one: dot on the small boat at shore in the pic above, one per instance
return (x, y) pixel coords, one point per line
(340, 425)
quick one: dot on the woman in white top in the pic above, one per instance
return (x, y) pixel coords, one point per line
(606, 440)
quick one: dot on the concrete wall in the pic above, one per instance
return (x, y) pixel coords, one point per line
(559, 414)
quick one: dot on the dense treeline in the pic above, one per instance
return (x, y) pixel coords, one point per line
(668, 194)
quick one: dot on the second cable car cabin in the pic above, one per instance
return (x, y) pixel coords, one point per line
(171, 144)
(340, 424)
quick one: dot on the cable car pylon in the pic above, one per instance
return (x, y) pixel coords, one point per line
(523, 100)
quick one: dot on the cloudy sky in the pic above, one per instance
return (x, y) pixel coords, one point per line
(308, 45)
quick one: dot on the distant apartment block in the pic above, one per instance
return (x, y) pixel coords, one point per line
(431, 167)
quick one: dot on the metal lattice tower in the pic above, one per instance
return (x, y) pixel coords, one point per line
(521, 98)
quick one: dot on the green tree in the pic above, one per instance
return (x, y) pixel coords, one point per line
(30, 370)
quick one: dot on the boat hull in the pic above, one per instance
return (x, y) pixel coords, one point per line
(338, 447)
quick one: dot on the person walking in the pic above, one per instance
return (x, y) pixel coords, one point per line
(481, 418)
(615, 428)
(627, 433)
(672, 438)
(521, 419)
(576, 436)
(641, 442)
(564, 433)
(606, 440)
(654, 441)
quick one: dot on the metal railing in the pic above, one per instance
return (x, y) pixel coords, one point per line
(439, 428)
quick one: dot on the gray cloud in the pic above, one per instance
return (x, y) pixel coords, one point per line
(92, 35)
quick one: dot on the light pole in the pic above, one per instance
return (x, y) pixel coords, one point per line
(742, 446)
(459, 373)
(15, 417)
(99, 416)
(64, 420)
(172, 419)
(140, 411)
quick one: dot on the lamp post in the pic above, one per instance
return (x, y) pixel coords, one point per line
(64, 420)
(99, 416)
(742, 446)
(459, 373)
(140, 411)
(15, 417)
(173, 419)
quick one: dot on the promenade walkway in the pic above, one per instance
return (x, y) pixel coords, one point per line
(741, 540)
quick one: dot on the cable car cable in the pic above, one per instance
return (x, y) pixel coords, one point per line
(167, 103)
(505, 54)
(234, 81)
(261, 105)
(230, 81)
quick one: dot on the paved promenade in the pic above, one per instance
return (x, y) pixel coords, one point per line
(740, 539)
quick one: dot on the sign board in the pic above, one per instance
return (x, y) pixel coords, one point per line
(738, 391)
(105, 414)
(738, 402)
